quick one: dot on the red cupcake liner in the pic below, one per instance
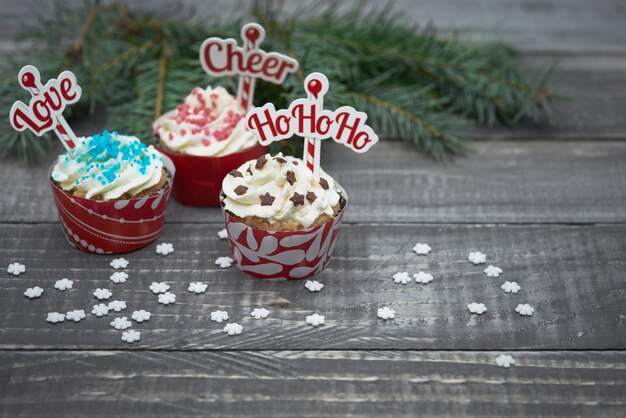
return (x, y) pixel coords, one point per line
(112, 227)
(283, 255)
(199, 178)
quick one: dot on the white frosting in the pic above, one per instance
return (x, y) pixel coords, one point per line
(109, 165)
(272, 178)
(209, 123)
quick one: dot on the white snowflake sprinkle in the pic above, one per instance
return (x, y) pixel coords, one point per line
(197, 287)
(524, 309)
(141, 316)
(55, 317)
(119, 263)
(100, 310)
(63, 284)
(167, 298)
(131, 336)
(76, 315)
(315, 320)
(16, 269)
(121, 323)
(510, 287)
(219, 316)
(119, 277)
(386, 313)
(102, 293)
(421, 248)
(222, 234)
(401, 277)
(477, 308)
(477, 257)
(165, 248)
(224, 262)
(161, 287)
(422, 277)
(260, 313)
(117, 305)
(233, 329)
(33, 292)
(505, 360)
(493, 271)
(313, 285)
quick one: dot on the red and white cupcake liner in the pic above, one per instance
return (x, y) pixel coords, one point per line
(288, 255)
(117, 226)
(199, 178)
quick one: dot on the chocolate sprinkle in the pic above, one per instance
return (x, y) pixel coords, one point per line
(297, 199)
(280, 160)
(267, 199)
(324, 183)
(260, 162)
(311, 197)
(235, 173)
(291, 177)
(250, 169)
(241, 189)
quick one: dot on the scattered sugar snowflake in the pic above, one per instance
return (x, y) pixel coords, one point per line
(100, 310)
(315, 320)
(167, 298)
(63, 284)
(524, 309)
(477, 308)
(402, 277)
(493, 271)
(219, 316)
(222, 234)
(16, 269)
(119, 277)
(233, 329)
(161, 287)
(141, 315)
(55, 317)
(510, 287)
(224, 262)
(477, 257)
(33, 292)
(131, 336)
(75, 315)
(421, 248)
(505, 360)
(197, 287)
(117, 305)
(165, 248)
(260, 313)
(386, 313)
(313, 285)
(422, 277)
(121, 323)
(102, 293)
(119, 263)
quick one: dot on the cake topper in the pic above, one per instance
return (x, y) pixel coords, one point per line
(44, 112)
(222, 57)
(308, 118)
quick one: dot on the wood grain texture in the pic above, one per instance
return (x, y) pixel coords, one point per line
(311, 384)
(572, 275)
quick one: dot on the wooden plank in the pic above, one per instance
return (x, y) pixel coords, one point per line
(571, 275)
(311, 384)
(541, 181)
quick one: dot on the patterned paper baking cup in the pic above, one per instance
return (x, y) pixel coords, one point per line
(283, 255)
(199, 178)
(112, 227)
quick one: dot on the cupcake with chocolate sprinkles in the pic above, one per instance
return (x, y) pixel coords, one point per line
(279, 193)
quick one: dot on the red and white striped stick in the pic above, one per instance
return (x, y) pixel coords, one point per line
(252, 35)
(313, 146)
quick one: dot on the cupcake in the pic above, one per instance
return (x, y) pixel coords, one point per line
(281, 219)
(206, 138)
(111, 193)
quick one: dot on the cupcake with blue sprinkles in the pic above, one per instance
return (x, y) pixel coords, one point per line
(110, 166)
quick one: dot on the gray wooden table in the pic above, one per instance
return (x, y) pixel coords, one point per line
(546, 202)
